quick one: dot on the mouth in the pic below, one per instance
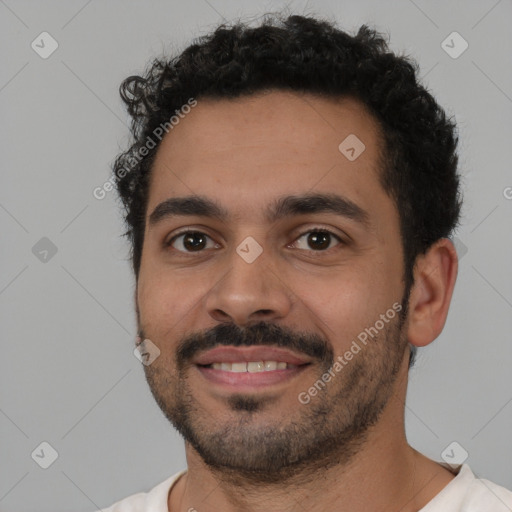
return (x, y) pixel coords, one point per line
(251, 366)
(239, 369)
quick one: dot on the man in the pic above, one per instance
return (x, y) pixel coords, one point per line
(289, 196)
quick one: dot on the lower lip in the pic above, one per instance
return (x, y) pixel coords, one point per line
(246, 381)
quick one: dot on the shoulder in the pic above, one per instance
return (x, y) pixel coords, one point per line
(486, 495)
(469, 493)
(153, 501)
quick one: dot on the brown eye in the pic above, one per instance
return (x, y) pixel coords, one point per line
(318, 239)
(190, 241)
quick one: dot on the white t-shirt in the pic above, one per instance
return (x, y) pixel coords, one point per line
(465, 493)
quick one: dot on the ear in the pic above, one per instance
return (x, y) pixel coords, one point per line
(435, 274)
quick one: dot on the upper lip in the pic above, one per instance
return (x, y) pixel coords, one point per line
(229, 354)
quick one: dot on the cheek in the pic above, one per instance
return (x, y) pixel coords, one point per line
(169, 303)
(337, 302)
(342, 305)
(160, 302)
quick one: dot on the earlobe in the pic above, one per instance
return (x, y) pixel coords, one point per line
(435, 274)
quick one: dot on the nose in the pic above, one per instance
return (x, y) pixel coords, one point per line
(249, 292)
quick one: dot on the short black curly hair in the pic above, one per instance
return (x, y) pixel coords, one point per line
(309, 55)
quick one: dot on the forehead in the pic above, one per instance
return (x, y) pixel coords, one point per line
(251, 149)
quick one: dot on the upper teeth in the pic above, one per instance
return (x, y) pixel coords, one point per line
(252, 367)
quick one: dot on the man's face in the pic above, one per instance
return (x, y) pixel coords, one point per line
(287, 290)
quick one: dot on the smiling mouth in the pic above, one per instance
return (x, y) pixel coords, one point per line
(236, 369)
(251, 366)
(249, 376)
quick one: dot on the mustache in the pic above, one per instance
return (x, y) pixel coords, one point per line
(261, 333)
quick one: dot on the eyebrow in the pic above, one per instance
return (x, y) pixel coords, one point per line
(280, 208)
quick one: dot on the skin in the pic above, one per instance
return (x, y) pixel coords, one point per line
(244, 154)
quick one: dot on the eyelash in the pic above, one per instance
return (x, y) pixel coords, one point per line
(169, 243)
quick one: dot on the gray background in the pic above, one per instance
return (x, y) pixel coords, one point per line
(68, 373)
